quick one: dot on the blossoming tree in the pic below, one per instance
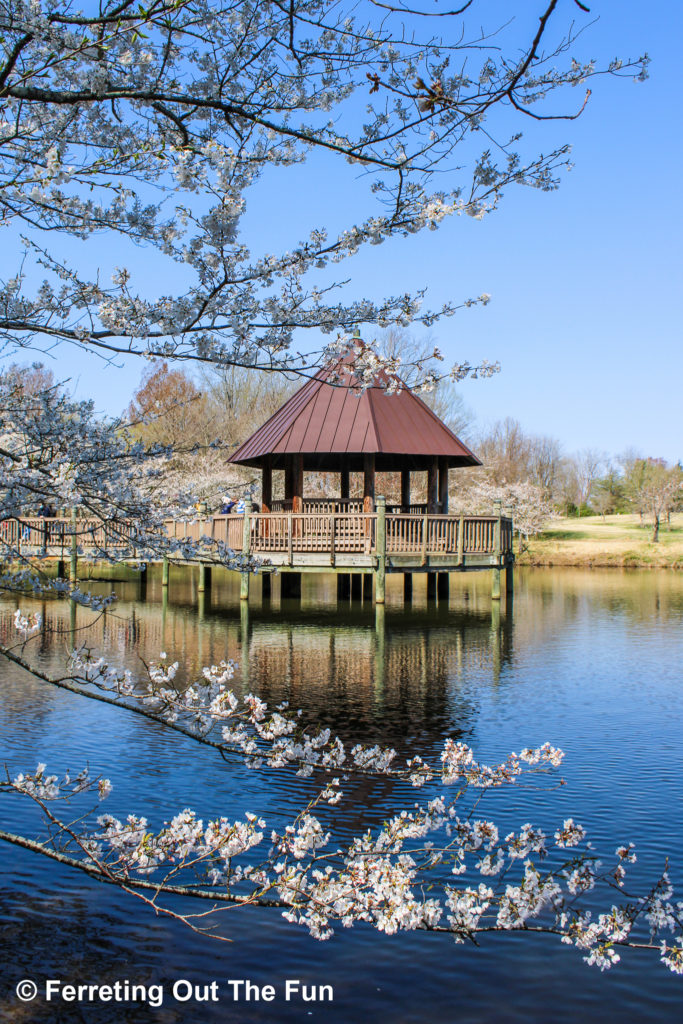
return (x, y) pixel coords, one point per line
(151, 124)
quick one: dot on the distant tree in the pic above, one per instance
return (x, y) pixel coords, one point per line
(634, 473)
(545, 464)
(238, 400)
(607, 493)
(30, 380)
(588, 463)
(168, 408)
(506, 452)
(439, 393)
(659, 487)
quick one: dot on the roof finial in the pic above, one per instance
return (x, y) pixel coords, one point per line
(356, 332)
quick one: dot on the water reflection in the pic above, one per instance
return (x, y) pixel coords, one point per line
(589, 661)
(387, 672)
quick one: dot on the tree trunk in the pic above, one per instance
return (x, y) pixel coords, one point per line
(655, 532)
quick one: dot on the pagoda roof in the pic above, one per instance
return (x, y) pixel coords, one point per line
(332, 422)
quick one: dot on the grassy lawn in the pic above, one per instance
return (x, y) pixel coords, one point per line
(612, 541)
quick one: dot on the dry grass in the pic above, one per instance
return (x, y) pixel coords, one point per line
(614, 541)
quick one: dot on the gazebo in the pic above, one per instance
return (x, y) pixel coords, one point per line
(332, 425)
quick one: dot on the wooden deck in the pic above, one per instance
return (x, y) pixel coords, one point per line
(336, 540)
(308, 541)
(351, 544)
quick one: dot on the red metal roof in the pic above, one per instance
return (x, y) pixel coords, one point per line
(331, 424)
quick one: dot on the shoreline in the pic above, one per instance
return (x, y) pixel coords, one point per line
(615, 542)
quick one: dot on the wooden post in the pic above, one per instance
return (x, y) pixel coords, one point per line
(289, 477)
(290, 546)
(344, 483)
(432, 485)
(495, 582)
(369, 484)
(73, 562)
(381, 543)
(164, 572)
(298, 483)
(246, 546)
(443, 486)
(509, 560)
(461, 539)
(509, 579)
(405, 490)
(204, 577)
(425, 533)
(333, 527)
(267, 483)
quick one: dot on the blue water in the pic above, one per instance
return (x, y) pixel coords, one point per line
(591, 662)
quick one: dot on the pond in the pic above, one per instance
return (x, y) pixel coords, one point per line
(589, 661)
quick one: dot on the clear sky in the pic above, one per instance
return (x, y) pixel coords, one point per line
(585, 316)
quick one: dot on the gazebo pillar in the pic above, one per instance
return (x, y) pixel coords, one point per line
(289, 477)
(344, 482)
(443, 486)
(369, 484)
(267, 483)
(294, 481)
(405, 489)
(298, 496)
(432, 484)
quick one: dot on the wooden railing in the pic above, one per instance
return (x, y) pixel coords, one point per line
(335, 532)
(330, 505)
(323, 506)
(53, 533)
(282, 532)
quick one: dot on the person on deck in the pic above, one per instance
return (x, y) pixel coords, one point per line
(227, 505)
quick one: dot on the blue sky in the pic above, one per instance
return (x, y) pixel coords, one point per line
(585, 282)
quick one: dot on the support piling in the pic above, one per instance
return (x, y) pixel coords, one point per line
(381, 543)
(246, 545)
